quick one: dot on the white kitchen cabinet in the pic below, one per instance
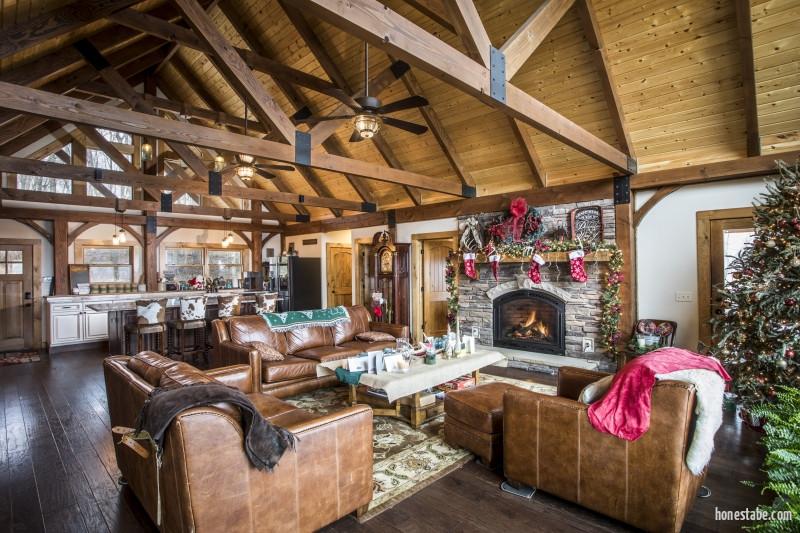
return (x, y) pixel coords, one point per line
(95, 326)
(66, 328)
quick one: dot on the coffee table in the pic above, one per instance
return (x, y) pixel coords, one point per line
(404, 389)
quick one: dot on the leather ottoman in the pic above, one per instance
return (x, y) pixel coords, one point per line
(474, 420)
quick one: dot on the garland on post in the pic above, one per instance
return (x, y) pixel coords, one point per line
(451, 282)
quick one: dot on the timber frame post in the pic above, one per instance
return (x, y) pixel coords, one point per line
(625, 236)
(61, 256)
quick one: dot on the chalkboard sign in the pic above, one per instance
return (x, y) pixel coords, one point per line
(78, 274)
(587, 223)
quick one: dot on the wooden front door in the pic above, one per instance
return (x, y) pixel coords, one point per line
(434, 286)
(16, 297)
(340, 275)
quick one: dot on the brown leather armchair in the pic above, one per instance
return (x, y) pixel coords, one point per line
(206, 482)
(303, 349)
(548, 443)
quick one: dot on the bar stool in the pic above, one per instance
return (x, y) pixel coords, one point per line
(266, 302)
(150, 328)
(228, 306)
(193, 320)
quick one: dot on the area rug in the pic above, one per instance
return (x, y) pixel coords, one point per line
(405, 460)
(16, 358)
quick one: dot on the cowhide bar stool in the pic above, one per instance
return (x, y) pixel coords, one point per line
(150, 328)
(192, 324)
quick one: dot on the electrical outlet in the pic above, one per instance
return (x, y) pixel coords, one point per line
(588, 345)
(476, 332)
(684, 296)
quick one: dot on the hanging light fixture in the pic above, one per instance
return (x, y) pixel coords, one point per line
(246, 170)
(367, 124)
(119, 230)
(147, 151)
(219, 163)
(228, 239)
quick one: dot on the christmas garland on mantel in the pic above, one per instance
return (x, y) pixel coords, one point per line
(612, 306)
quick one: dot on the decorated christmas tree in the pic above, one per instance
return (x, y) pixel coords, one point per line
(757, 326)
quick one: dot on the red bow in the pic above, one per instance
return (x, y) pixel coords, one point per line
(518, 210)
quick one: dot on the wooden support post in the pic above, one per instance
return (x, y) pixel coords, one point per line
(626, 242)
(61, 256)
(256, 243)
(150, 259)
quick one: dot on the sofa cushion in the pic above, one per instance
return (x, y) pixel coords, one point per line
(361, 346)
(290, 368)
(311, 337)
(326, 353)
(375, 336)
(292, 418)
(358, 323)
(479, 407)
(246, 329)
(183, 374)
(270, 406)
(266, 352)
(150, 366)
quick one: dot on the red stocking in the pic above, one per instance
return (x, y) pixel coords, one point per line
(494, 259)
(576, 266)
(469, 266)
(533, 272)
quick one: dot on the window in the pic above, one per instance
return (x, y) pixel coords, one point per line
(45, 184)
(184, 263)
(116, 136)
(10, 261)
(733, 242)
(225, 263)
(188, 199)
(109, 264)
(99, 159)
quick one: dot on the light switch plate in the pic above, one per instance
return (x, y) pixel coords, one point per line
(476, 332)
(684, 296)
(588, 345)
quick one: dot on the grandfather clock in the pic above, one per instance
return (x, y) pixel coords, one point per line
(388, 274)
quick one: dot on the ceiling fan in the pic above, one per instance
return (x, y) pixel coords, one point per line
(245, 164)
(371, 113)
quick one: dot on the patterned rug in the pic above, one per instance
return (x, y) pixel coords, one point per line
(16, 358)
(406, 460)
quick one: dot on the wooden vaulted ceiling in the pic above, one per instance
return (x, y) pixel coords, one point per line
(679, 67)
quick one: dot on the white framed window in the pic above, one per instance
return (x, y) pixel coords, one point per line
(184, 263)
(188, 199)
(45, 184)
(226, 264)
(108, 264)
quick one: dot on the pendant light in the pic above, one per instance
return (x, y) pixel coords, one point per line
(228, 239)
(119, 231)
(147, 151)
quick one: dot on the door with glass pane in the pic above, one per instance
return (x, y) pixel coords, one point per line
(16, 297)
(722, 234)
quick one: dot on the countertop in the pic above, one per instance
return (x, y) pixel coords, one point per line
(130, 305)
(132, 296)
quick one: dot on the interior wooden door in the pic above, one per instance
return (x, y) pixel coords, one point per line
(16, 297)
(340, 275)
(434, 286)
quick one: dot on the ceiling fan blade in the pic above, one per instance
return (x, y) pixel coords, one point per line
(288, 168)
(264, 174)
(406, 103)
(404, 125)
(356, 137)
(301, 114)
(315, 120)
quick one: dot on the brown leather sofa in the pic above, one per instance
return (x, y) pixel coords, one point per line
(548, 443)
(303, 349)
(206, 482)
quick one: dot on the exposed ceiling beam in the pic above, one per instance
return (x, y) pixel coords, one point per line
(384, 28)
(57, 22)
(747, 167)
(134, 220)
(173, 49)
(591, 29)
(436, 14)
(134, 179)
(33, 101)
(476, 42)
(141, 205)
(745, 28)
(185, 37)
(521, 45)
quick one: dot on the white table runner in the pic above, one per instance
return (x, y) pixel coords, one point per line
(421, 376)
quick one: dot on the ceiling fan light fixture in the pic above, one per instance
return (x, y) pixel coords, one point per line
(246, 159)
(246, 172)
(367, 125)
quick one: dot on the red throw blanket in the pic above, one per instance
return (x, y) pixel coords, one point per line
(625, 409)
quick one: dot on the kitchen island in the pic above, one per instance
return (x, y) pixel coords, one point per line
(93, 320)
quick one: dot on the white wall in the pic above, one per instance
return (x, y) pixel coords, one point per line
(666, 253)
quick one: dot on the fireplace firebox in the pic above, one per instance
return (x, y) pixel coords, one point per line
(531, 320)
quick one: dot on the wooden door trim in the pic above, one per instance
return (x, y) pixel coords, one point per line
(359, 274)
(416, 274)
(704, 222)
(328, 247)
(36, 285)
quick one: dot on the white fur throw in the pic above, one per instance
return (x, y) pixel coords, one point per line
(710, 388)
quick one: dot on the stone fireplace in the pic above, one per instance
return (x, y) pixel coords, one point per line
(529, 319)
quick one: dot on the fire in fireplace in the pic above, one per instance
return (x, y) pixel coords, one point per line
(530, 320)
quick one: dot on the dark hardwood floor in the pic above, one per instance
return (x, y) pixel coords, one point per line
(58, 472)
